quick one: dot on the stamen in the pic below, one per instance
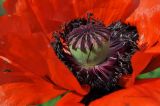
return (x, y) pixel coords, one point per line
(97, 55)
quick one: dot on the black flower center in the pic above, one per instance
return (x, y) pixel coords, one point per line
(97, 55)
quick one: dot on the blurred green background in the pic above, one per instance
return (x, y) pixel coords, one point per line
(52, 102)
(2, 11)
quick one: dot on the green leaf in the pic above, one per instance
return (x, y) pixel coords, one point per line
(152, 74)
(51, 102)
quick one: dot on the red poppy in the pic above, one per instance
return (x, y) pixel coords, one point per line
(31, 72)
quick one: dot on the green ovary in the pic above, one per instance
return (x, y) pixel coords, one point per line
(93, 56)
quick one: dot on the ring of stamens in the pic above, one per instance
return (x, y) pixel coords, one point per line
(97, 55)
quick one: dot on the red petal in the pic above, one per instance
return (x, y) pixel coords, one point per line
(45, 13)
(22, 47)
(62, 76)
(142, 62)
(21, 88)
(70, 99)
(34, 53)
(142, 94)
(155, 63)
(154, 49)
(24, 94)
(113, 10)
(10, 6)
(139, 61)
(26, 12)
(146, 19)
(50, 14)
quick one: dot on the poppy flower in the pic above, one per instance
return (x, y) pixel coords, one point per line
(91, 60)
